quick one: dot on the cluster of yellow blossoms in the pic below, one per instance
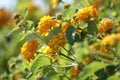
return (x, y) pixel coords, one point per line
(54, 46)
(74, 72)
(111, 39)
(50, 54)
(105, 25)
(86, 13)
(4, 17)
(100, 48)
(65, 25)
(46, 23)
(57, 42)
(28, 49)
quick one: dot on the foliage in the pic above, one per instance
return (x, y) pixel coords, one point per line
(85, 47)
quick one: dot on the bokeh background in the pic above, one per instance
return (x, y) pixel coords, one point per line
(12, 64)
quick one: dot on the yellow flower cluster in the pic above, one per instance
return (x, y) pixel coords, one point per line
(105, 25)
(100, 48)
(111, 39)
(4, 17)
(57, 42)
(46, 23)
(85, 13)
(74, 72)
(87, 60)
(73, 22)
(65, 25)
(28, 49)
(50, 54)
(48, 51)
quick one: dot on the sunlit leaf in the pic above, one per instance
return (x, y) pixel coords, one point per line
(25, 13)
(40, 61)
(115, 76)
(29, 24)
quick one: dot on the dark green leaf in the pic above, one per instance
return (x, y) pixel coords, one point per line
(70, 35)
(92, 28)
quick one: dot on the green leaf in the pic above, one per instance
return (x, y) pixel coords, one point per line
(29, 24)
(68, 13)
(81, 50)
(115, 76)
(92, 28)
(70, 35)
(118, 49)
(25, 13)
(40, 61)
(56, 73)
(106, 72)
(49, 72)
(90, 69)
(13, 30)
(23, 36)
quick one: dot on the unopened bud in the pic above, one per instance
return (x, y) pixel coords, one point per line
(59, 15)
(16, 15)
(66, 6)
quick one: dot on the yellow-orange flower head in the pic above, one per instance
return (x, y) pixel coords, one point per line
(48, 51)
(74, 72)
(100, 48)
(46, 23)
(111, 39)
(57, 42)
(28, 49)
(105, 25)
(65, 25)
(73, 21)
(50, 54)
(4, 17)
(85, 13)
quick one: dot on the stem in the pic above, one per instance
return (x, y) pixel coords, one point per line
(38, 37)
(66, 76)
(67, 56)
(69, 52)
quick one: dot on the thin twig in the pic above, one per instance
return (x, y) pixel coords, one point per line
(67, 56)
(69, 52)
